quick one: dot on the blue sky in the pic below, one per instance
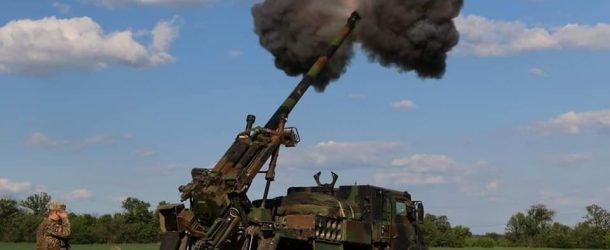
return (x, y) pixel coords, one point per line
(145, 92)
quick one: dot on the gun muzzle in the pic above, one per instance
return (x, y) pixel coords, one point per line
(353, 18)
(312, 74)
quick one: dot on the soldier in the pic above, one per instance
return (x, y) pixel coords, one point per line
(54, 231)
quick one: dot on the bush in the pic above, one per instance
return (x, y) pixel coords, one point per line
(480, 241)
(485, 242)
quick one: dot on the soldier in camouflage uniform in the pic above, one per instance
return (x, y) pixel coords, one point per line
(54, 231)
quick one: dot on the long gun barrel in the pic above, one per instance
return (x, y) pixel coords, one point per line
(219, 204)
(311, 75)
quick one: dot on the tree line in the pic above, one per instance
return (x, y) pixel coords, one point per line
(533, 228)
(137, 223)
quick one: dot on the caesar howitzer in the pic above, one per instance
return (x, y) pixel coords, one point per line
(221, 215)
(218, 196)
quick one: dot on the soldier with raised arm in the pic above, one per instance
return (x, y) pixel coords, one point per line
(54, 231)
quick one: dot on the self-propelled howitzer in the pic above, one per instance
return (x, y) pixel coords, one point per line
(219, 208)
(221, 216)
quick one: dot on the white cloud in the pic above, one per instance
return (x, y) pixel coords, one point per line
(62, 7)
(15, 186)
(476, 179)
(177, 3)
(574, 123)
(168, 169)
(77, 194)
(486, 37)
(164, 33)
(42, 140)
(566, 159)
(492, 185)
(553, 198)
(418, 169)
(403, 104)
(406, 178)
(422, 163)
(98, 139)
(537, 72)
(335, 153)
(234, 52)
(39, 139)
(51, 45)
(490, 191)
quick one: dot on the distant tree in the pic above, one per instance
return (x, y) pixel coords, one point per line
(586, 236)
(559, 236)
(24, 228)
(442, 223)
(139, 223)
(83, 229)
(9, 210)
(432, 235)
(541, 218)
(594, 232)
(136, 224)
(37, 203)
(480, 241)
(105, 230)
(598, 217)
(494, 236)
(136, 210)
(458, 236)
(119, 228)
(530, 228)
(517, 228)
(439, 233)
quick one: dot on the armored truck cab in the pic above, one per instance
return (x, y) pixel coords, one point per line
(348, 217)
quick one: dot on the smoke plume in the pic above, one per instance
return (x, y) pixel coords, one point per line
(406, 34)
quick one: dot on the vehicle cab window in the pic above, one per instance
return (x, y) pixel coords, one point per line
(401, 209)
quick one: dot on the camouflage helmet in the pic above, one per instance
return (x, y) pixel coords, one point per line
(55, 206)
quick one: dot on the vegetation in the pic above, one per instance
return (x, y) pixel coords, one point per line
(534, 228)
(136, 224)
(30, 246)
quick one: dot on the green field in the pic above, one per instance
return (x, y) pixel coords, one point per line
(31, 246)
(500, 248)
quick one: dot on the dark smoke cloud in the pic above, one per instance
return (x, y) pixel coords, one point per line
(407, 34)
(297, 32)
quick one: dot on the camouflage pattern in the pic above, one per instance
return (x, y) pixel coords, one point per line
(50, 234)
(221, 216)
(348, 217)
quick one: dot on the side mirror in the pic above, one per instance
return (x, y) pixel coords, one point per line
(420, 212)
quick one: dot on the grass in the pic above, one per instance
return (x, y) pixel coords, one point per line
(500, 248)
(31, 246)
